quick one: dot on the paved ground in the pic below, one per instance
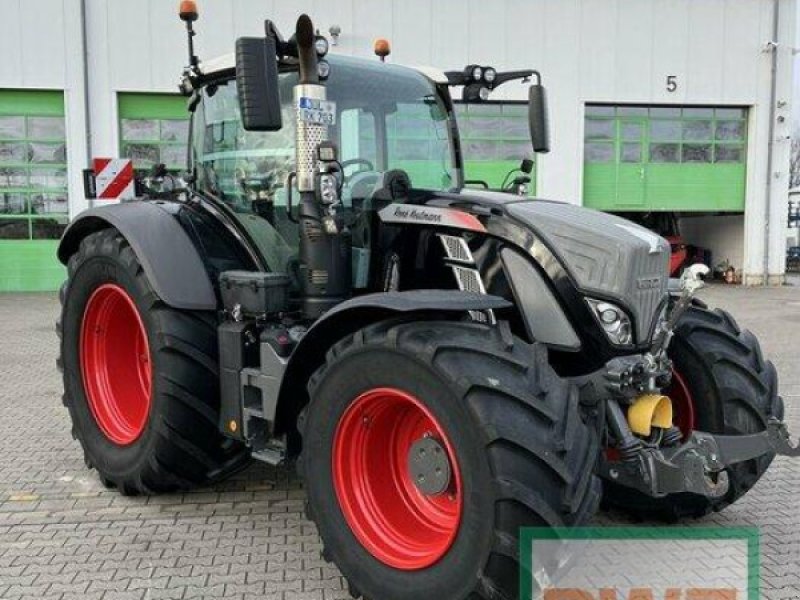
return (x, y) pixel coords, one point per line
(62, 535)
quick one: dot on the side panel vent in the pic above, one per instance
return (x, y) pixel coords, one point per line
(456, 249)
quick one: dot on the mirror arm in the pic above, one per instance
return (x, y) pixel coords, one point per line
(504, 77)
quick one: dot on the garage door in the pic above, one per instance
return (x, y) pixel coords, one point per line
(664, 158)
(154, 128)
(33, 189)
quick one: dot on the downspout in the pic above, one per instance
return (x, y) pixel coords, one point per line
(86, 103)
(773, 91)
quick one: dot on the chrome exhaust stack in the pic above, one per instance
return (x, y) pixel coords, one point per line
(325, 246)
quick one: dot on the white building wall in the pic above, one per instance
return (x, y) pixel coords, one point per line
(618, 51)
(723, 233)
(41, 48)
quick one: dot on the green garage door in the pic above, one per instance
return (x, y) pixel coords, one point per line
(154, 128)
(494, 139)
(659, 158)
(33, 189)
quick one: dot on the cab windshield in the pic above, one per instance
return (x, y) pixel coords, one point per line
(387, 118)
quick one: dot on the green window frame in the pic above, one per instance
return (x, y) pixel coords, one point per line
(153, 128)
(495, 137)
(34, 203)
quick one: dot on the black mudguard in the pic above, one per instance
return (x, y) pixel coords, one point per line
(354, 314)
(170, 260)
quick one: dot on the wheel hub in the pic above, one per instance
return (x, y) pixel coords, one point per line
(428, 466)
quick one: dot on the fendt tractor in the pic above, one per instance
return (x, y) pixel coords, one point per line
(443, 365)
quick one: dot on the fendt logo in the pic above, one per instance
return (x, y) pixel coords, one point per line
(639, 563)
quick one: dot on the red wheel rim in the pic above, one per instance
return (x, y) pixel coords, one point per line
(388, 514)
(683, 415)
(115, 364)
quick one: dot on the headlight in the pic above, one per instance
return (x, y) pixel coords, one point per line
(477, 73)
(614, 321)
(321, 45)
(489, 74)
(483, 93)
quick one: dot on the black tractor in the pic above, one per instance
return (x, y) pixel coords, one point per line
(443, 365)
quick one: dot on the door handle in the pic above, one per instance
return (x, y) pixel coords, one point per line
(641, 172)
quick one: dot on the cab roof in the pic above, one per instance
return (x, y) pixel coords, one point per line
(227, 62)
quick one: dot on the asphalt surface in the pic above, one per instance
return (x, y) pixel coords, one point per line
(63, 535)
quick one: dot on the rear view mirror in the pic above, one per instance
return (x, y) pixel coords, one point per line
(537, 118)
(257, 84)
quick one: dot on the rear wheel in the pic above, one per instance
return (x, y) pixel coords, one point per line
(140, 378)
(721, 384)
(427, 445)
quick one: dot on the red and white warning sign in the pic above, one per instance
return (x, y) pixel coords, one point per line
(114, 178)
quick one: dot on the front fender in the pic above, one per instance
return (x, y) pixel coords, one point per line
(170, 260)
(352, 315)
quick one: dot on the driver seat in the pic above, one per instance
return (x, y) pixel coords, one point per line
(392, 186)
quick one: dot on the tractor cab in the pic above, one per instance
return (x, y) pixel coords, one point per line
(393, 127)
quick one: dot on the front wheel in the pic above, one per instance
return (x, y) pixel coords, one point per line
(427, 445)
(721, 384)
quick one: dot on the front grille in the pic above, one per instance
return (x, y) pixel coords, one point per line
(647, 290)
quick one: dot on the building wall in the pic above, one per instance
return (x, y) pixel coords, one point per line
(619, 51)
(41, 46)
(723, 234)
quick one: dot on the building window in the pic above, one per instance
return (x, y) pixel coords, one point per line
(495, 138)
(673, 134)
(154, 128)
(33, 165)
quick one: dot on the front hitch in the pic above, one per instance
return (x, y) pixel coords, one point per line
(698, 465)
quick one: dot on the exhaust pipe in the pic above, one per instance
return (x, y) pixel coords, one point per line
(308, 91)
(325, 261)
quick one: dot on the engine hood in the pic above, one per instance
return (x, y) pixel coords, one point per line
(605, 255)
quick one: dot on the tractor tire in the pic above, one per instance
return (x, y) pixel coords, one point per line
(721, 384)
(519, 453)
(140, 378)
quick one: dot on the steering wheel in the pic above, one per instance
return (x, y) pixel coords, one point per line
(357, 161)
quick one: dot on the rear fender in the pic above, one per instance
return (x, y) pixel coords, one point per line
(170, 260)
